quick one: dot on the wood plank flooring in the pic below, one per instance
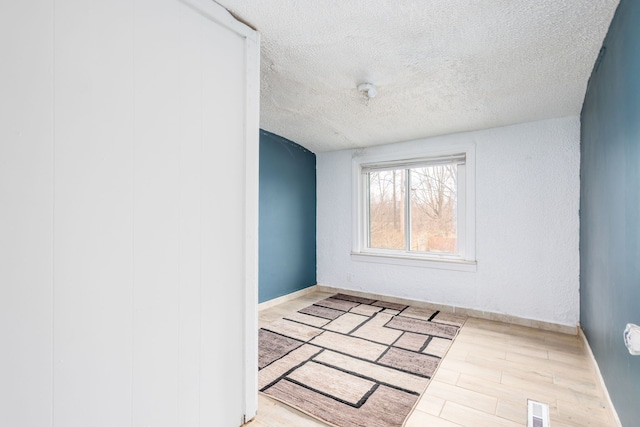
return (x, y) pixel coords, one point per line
(485, 379)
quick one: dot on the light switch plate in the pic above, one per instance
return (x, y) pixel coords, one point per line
(632, 338)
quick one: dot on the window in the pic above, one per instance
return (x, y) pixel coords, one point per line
(415, 209)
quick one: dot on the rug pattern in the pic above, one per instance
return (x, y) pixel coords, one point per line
(352, 361)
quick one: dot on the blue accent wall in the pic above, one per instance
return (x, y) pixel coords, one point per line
(287, 251)
(610, 209)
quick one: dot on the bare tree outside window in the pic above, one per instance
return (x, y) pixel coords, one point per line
(387, 209)
(433, 209)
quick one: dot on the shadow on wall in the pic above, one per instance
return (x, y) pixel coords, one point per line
(287, 253)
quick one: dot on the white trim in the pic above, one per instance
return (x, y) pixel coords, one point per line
(616, 419)
(221, 16)
(415, 162)
(442, 263)
(470, 203)
(252, 164)
(357, 206)
(218, 14)
(479, 314)
(462, 213)
(465, 259)
(288, 297)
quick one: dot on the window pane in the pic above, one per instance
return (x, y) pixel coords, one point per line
(433, 209)
(386, 209)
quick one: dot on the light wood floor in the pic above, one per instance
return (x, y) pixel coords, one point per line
(485, 379)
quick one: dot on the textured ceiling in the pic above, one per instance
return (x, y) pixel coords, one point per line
(440, 66)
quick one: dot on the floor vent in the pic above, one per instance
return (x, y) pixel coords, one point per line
(538, 414)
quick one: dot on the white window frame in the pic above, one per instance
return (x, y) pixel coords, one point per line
(465, 259)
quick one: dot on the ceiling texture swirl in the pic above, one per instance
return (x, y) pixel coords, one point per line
(438, 67)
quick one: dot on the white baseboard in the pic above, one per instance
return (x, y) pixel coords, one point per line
(488, 315)
(288, 297)
(599, 375)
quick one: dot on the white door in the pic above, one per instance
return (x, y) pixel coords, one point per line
(149, 315)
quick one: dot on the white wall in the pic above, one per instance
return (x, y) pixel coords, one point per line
(127, 248)
(527, 225)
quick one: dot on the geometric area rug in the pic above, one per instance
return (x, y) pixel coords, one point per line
(352, 361)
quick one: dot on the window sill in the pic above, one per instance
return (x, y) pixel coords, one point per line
(439, 263)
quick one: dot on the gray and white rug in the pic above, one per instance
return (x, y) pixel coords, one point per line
(352, 361)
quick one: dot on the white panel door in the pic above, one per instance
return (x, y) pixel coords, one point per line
(128, 214)
(224, 205)
(154, 213)
(193, 139)
(93, 188)
(26, 204)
